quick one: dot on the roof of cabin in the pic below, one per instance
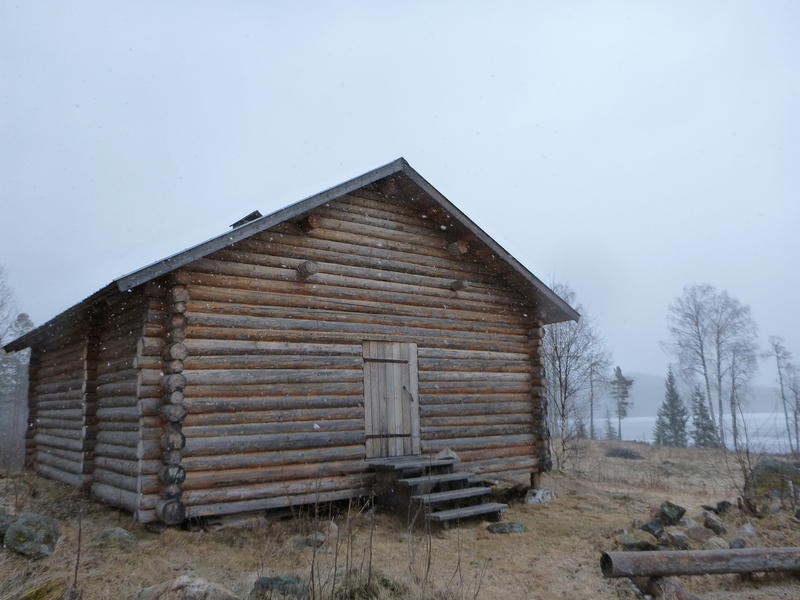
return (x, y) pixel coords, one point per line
(552, 307)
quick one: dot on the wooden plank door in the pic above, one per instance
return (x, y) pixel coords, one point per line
(391, 401)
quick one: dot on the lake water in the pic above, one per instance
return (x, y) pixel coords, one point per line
(766, 432)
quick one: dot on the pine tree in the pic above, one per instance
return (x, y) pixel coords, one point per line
(704, 432)
(620, 389)
(670, 429)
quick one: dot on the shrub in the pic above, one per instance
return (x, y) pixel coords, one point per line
(620, 452)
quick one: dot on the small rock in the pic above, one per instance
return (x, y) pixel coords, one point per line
(715, 543)
(5, 520)
(677, 539)
(507, 527)
(186, 588)
(670, 513)
(282, 586)
(116, 537)
(746, 531)
(688, 523)
(723, 506)
(331, 532)
(699, 534)
(32, 534)
(654, 528)
(714, 523)
(314, 540)
(448, 454)
(737, 543)
(637, 540)
(539, 496)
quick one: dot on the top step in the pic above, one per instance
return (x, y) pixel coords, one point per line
(401, 463)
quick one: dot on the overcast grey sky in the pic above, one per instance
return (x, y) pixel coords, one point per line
(624, 148)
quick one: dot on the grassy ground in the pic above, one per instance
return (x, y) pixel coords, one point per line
(558, 556)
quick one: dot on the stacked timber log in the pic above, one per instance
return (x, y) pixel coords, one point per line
(124, 413)
(169, 508)
(274, 374)
(61, 402)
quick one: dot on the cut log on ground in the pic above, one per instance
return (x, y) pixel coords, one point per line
(699, 562)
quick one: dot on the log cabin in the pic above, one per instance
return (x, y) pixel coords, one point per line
(275, 364)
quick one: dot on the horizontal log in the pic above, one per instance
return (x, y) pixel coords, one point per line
(317, 290)
(441, 339)
(294, 413)
(73, 479)
(262, 490)
(256, 460)
(264, 376)
(295, 427)
(440, 433)
(43, 439)
(350, 270)
(115, 496)
(225, 508)
(118, 465)
(204, 347)
(317, 325)
(699, 562)
(68, 466)
(283, 390)
(206, 293)
(236, 477)
(473, 387)
(257, 443)
(297, 361)
(147, 484)
(427, 411)
(486, 418)
(232, 404)
(501, 441)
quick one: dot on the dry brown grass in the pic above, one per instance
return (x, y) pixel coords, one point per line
(557, 558)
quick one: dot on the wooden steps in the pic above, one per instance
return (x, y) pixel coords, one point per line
(468, 511)
(452, 495)
(435, 479)
(443, 494)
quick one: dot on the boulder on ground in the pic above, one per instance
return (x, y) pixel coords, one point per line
(744, 536)
(115, 537)
(699, 533)
(715, 543)
(637, 540)
(539, 496)
(32, 534)
(654, 528)
(713, 522)
(186, 588)
(316, 539)
(507, 527)
(670, 513)
(281, 586)
(771, 474)
(676, 539)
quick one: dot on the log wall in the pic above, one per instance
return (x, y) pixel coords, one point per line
(61, 407)
(128, 397)
(274, 374)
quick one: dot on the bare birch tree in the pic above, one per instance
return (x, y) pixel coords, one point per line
(573, 351)
(786, 373)
(714, 337)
